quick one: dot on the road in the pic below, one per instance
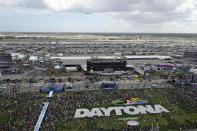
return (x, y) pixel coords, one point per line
(79, 86)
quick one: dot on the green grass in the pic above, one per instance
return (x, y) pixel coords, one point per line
(177, 115)
(148, 119)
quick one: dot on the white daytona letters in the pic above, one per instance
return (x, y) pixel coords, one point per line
(130, 110)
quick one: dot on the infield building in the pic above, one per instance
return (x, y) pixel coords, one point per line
(5, 61)
(107, 65)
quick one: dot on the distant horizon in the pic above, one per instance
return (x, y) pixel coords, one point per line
(100, 32)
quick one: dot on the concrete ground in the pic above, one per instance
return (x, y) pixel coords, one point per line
(80, 86)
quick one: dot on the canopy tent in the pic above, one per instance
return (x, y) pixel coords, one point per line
(132, 123)
(109, 85)
(52, 88)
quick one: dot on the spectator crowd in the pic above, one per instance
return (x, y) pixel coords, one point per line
(21, 111)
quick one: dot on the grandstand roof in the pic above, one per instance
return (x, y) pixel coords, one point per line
(112, 57)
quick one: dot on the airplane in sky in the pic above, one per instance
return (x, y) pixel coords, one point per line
(87, 13)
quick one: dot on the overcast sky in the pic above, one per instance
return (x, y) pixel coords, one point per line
(167, 16)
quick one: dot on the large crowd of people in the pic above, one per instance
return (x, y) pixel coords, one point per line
(21, 111)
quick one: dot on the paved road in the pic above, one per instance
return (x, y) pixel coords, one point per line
(92, 86)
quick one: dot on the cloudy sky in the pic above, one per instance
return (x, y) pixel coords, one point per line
(167, 16)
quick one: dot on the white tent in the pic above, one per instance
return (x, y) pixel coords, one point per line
(57, 67)
(132, 123)
(33, 58)
(193, 70)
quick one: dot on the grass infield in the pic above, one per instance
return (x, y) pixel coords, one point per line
(23, 111)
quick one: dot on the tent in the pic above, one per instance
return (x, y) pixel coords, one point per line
(52, 88)
(109, 85)
(132, 123)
